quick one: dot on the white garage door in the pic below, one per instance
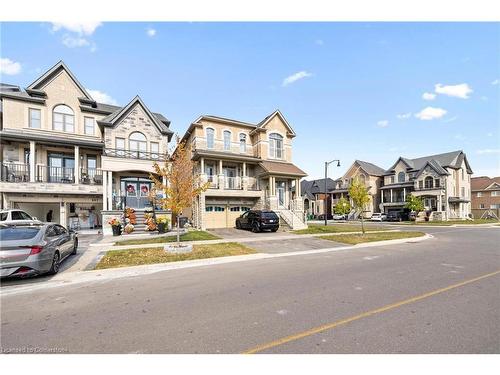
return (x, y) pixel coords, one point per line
(223, 216)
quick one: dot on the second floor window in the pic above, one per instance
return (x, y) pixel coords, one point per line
(401, 177)
(243, 143)
(210, 137)
(275, 146)
(137, 142)
(89, 126)
(227, 140)
(35, 118)
(155, 150)
(120, 146)
(63, 119)
(429, 182)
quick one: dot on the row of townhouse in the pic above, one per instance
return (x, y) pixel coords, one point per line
(485, 196)
(67, 157)
(443, 182)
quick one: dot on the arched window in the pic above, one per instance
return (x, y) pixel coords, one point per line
(275, 146)
(362, 178)
(210, 137)
(401, 177)
(227, 140)
(137, 144)
(429, 182)
(243, 143)
(63, 119)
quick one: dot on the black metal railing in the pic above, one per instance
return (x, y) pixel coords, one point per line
(55, 174)
(134, 154)
(15, 172)
(91, 176)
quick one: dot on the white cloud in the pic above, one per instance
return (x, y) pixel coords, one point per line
(73, 42)
(151, 32)
(430, 113)
(101, 97)
(81, 28)
(319, 42)
(459, 91)
(489, 151)
(495, 82)
(428, 96)
(295, 77)
(403, 116)
(9, 67)
(383, 123)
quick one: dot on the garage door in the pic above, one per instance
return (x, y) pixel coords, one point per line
(223, 216)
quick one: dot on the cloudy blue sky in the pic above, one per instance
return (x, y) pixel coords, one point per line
(369, 91)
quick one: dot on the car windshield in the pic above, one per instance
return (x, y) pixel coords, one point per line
(18, 233)
(269, 215)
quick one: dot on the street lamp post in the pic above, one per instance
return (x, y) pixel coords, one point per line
(327, 163)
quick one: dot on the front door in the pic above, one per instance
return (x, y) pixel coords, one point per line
(280, 192)
(136, 192)
(230, 178)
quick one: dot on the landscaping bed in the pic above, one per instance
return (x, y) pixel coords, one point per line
(354, 239)
(317, 229)
(189, 236)
(136, 257)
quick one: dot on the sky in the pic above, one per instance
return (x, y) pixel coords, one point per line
(367, 91)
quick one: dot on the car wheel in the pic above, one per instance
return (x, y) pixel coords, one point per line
(274, 229)
(55, 264)
(75, 247)
(238, 225)
(255, 228)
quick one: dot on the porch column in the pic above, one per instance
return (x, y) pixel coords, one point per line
(202, 165)
(391, 195)
(244, 169)
(32, 161)
(221, 175)
(104, 190)
(110, 190)
(404, 194)
(63, 220)
(382, 197)
(297, 188)
(244, 179)
(77, 165)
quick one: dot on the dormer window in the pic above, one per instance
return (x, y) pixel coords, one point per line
(63, 119)
(401, 177)
(243, 143)
(227, 140)
(275, 146)
(210, 137)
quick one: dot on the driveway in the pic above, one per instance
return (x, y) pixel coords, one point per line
(231, 233)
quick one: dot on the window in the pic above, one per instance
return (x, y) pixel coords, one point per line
(275, 146)
(91, 162)
(421, 184)
(392, 179)
(243, 143)
(245, 209)
(63, 119)
(227, 140)
(209, 208)
(234, 209)
(89, 126)
(495, 206)
(437, 182)
(120, 146)
(463, 174)
(495, 193)
(479, 194)
(137, 143)
(481, 205)
(155, 150)
(16, 215)
(401, 177)
(428, 181)
(462, 192)
(362, 179)
(219, 209)
(35, 118)
(210, 137)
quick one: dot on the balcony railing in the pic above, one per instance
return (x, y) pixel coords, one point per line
(15, 172)
(55, 174)
(91, 176)
(232, 183)
(214, 181)
(253, 183)
(134, 154)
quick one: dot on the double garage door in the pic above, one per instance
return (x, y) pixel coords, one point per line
(223, 215)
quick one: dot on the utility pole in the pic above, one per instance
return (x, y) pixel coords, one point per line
(325, 209)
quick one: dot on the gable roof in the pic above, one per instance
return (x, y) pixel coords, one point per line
(268, 118)
(484, 183)
(52, 72)
(117, 115)
(451, 159)
(316, 186)
(370, 168)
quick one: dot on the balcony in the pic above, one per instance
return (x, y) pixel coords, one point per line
(253, 184)
(91, 176)
(15, 172)
(232, 183)
(134, 154)
(214, 181)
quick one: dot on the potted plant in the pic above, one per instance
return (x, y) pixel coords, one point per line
(162, 223)
(116, 226)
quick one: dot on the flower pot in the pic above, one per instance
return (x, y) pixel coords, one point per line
(117, 230)
(162, 227)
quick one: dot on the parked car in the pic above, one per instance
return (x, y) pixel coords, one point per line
(339, 217)
(322, 217)
(33, 249)
(258, 220)
(378, 216)
(17, 217)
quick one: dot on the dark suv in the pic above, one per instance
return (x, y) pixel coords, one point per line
(258, 220)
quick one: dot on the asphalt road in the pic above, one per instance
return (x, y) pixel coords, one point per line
(352, 301)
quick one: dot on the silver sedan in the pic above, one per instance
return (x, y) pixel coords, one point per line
(33, 249)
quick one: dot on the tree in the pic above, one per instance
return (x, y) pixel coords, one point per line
(342, 207)
(360, 198)
(183, 184)
(415, 204)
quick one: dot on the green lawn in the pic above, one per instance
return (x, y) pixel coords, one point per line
(452, 222)
(189, 236)
(135, 257)
(336, 228)
(354, 239)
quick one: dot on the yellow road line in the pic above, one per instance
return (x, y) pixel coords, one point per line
(326, 327)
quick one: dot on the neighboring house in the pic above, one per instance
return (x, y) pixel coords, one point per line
(313, 195)
(443, 181)
(249, 166)
(485, 196)
(64, 152)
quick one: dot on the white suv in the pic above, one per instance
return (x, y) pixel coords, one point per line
(16, 217)
(377, 216)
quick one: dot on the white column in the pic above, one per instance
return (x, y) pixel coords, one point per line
(32, 161)
(391, 195)
(104, 190)
(62, 214)
(404, 194)
(244, 169)
(221, 176)
(110, 190)
(202, 165)
(381, 196)
(77, 164)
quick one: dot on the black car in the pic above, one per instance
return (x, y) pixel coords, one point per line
(259, 220)
(399, 216)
